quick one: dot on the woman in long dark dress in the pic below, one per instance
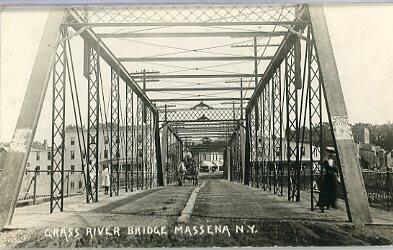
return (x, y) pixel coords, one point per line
(329, 184)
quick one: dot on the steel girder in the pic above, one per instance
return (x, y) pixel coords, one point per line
(233, 34)
(189, 115)
(204, 59)
(115, 135)
(59, 76)
(292, 126)
(139, 145)
(179, 15)
(129, 139)
(266, 135)
(277, 127)
(254, 147)
(315, 118)
(236, 159)
(93, 125)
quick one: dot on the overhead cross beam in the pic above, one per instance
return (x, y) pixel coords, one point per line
(198, 99)
(202, 130)
(252, 45)
(158, 76)
(193, 34)
(181, 59)
(199, 89)
(179, 24)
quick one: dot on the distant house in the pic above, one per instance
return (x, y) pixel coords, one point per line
(361, 134)
(370, 156)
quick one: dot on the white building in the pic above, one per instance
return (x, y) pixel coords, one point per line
(40, 157)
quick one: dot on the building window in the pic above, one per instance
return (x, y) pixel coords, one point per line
(49, 155)
(80, 184)
(72, 184)
(37, 169)
(72, 169)
(37, 156)
(72, 140)
(72, 154)
(48, 168)
(105, 153)
(303, 151)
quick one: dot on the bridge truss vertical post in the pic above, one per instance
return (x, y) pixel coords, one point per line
(277, 125)
(315, 117)
(247, 150)
(266, 137)
(355, 195)
(144, 146)
(129, 154)
(139, 142)
(115, 135)
(253, 146)
(148, 149)
(58, 123)
(157, 145)
(292, 127)
(164, 152)
(93, 125)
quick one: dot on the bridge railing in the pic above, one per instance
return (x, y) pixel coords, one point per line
(379, 187)
(36, 185)
(378, 184)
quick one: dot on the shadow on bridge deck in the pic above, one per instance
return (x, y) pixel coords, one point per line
(144, 207)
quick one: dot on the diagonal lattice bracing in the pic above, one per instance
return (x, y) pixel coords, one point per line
(178, 115)
(58, 123)
(277, 125)
(148, 146)
(292, 129)
(253, 148)
(129, 139)
(93, 112)
(139, 144)
(115, 135)
(266, 142)
(315, 120)
(188, 14)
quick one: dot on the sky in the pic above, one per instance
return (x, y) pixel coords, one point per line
(361, 34)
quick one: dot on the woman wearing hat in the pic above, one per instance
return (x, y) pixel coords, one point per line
(329, 185)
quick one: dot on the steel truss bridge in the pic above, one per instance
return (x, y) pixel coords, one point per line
(262, 116)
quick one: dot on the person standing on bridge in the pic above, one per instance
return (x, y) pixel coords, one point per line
(329, 182)
(106, 179)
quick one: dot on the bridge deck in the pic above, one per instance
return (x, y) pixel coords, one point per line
(218, 199)
(219, 202)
